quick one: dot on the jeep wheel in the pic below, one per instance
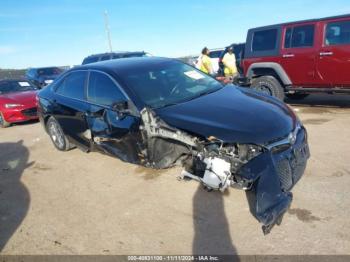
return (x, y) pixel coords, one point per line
(297, 96)
(57, 136)
(268, 85)
(3, 122)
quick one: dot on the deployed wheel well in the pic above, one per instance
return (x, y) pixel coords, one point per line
(257, 72)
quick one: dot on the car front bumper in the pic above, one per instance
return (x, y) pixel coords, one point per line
(20, 114)
(274, 173)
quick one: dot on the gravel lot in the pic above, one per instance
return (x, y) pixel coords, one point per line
(77, 203)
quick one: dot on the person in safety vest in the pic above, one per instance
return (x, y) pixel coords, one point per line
(229, 62)
(205, 62)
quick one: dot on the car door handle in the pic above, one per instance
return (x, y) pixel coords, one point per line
(288, 55)
(326, 53)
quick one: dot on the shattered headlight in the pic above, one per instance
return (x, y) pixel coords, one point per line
(247, 152)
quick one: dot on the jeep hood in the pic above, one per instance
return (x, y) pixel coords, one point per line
(234, 115)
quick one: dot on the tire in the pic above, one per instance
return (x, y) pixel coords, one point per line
(57, 135)
(3, 122)
(268, 85)
(297, 96)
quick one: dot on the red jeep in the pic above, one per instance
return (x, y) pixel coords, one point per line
(298, 58)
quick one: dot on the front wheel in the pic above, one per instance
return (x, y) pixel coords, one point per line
(268, 85)
(3, 122)
(57, 135)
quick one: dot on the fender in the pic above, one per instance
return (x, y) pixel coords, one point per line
(270, 65)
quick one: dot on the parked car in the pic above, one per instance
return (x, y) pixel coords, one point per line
(42, 76)
(299, 58)
(17, 101)
(109, 56)
(160, 112)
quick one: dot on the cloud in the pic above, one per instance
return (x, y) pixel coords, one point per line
(6, 50)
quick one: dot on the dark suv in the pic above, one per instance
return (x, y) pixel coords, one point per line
(109, 56)
(43, 76)
(300, 57)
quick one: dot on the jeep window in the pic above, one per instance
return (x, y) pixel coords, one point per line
(167, 83)
(338, 33)
(72, 85)
(264, 40)
(300, 36)
(102, 90)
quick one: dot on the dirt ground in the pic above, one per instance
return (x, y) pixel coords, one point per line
(77, 203)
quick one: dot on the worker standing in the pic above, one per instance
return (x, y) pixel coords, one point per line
(205, 62)
(229, 62)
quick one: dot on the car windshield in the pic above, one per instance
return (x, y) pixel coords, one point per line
(15, 86)
(49, 71)
(167, 83)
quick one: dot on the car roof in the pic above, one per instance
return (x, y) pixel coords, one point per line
(303, 21)
(116, 53)
(115, 64)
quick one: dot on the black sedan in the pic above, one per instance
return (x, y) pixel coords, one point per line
(160, 112)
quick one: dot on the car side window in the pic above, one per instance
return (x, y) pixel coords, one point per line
(102, 90)
(73, 85)
(338, 33)
(299, 36)
(265, 40)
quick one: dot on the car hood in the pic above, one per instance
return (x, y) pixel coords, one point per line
(24, 98)
(234, 115)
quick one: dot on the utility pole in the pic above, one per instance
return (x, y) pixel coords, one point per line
(108, 31)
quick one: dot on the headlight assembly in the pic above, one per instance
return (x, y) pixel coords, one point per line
(12, 105)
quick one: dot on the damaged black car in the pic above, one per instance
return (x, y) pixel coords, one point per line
(160, 112)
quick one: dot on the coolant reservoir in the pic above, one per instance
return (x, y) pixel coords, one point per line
(217, 174)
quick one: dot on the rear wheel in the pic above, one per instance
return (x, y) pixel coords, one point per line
(57, 135)
(3, 122)
(268, 85)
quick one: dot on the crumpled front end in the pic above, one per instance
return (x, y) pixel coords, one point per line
(274, 173)
(266, 172)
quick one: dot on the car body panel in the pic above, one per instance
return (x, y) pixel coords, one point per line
(230, 114)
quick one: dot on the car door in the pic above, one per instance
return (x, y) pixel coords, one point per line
(299, 55)
(112, 118)
(334, 55)
(70, 107)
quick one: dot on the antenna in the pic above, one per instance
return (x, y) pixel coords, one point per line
(108, 31)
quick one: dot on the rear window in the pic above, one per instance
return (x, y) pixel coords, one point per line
(299, 36)
(90, 60)
(265, 40)
(73, 85)
(215, 54)
(49, 71)
(338, 33)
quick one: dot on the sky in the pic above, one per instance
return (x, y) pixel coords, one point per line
(46, 32)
